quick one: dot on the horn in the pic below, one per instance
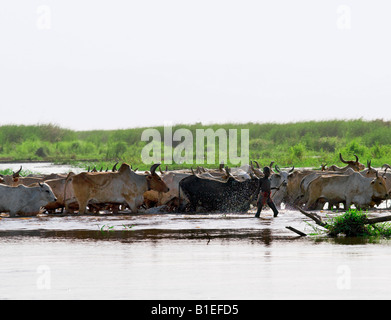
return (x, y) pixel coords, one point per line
(271, 164)
(114, 167)
(221, 166)
(386, 165)
(340, 157)
(256, 162)
(369, 164)
(291, 170)
(166, 168)
(160, 169)
(153, 168)
(277, 168)
(228, 171)
(16, 174)
(356, 158)
(192, 171)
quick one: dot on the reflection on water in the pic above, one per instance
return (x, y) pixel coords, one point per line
(215, 256)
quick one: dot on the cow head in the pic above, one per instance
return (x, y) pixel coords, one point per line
(11, 180)
(47, 194)
(280, 178)
(379, 188)
(154, 181)
(370, 172)
(355, 165)
(257, 170)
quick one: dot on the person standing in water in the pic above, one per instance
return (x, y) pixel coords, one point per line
(263, 192)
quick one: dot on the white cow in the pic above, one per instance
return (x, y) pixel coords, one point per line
(171, 179)
(350, 189)
(25, 200)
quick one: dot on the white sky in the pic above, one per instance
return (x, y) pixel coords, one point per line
(128, 63)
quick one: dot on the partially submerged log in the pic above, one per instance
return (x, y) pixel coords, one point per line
(351, 227)
(302, 234)
(379, 219)
(318, 220)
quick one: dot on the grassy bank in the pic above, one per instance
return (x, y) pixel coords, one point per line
(299, 144)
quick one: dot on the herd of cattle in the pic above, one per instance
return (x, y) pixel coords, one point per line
(204, 190)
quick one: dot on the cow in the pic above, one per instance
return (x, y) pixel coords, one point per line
(355, 165)
(293, 192)
(350, 189)
(171, 179)
(24, 200)
(310, 177)
(11, 180)
(387, 175)
(58, 187)
(370, 171)
(229, 196)
(123, 186)
(278, 183)
(15, 179)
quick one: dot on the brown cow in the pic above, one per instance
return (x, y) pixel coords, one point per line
(123, 186)
(355, 165)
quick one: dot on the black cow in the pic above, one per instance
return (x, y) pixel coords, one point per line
(214, 195)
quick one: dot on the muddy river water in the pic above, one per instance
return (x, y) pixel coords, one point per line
(177, 256)
(171, 256)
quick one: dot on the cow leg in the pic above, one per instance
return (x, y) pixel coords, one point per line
(348, 204)
(309, 205)
(132, 205)
(12, 213)
(82, 206)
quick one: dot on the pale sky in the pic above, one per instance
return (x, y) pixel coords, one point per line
(100, 64)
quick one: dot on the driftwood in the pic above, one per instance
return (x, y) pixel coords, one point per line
(318, 220)
(302, 234)
(377, 220)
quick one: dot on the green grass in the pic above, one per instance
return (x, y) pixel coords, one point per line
(302, 144)
(352, 224)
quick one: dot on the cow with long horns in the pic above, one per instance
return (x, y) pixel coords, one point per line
(355, 165)
(123, 186)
